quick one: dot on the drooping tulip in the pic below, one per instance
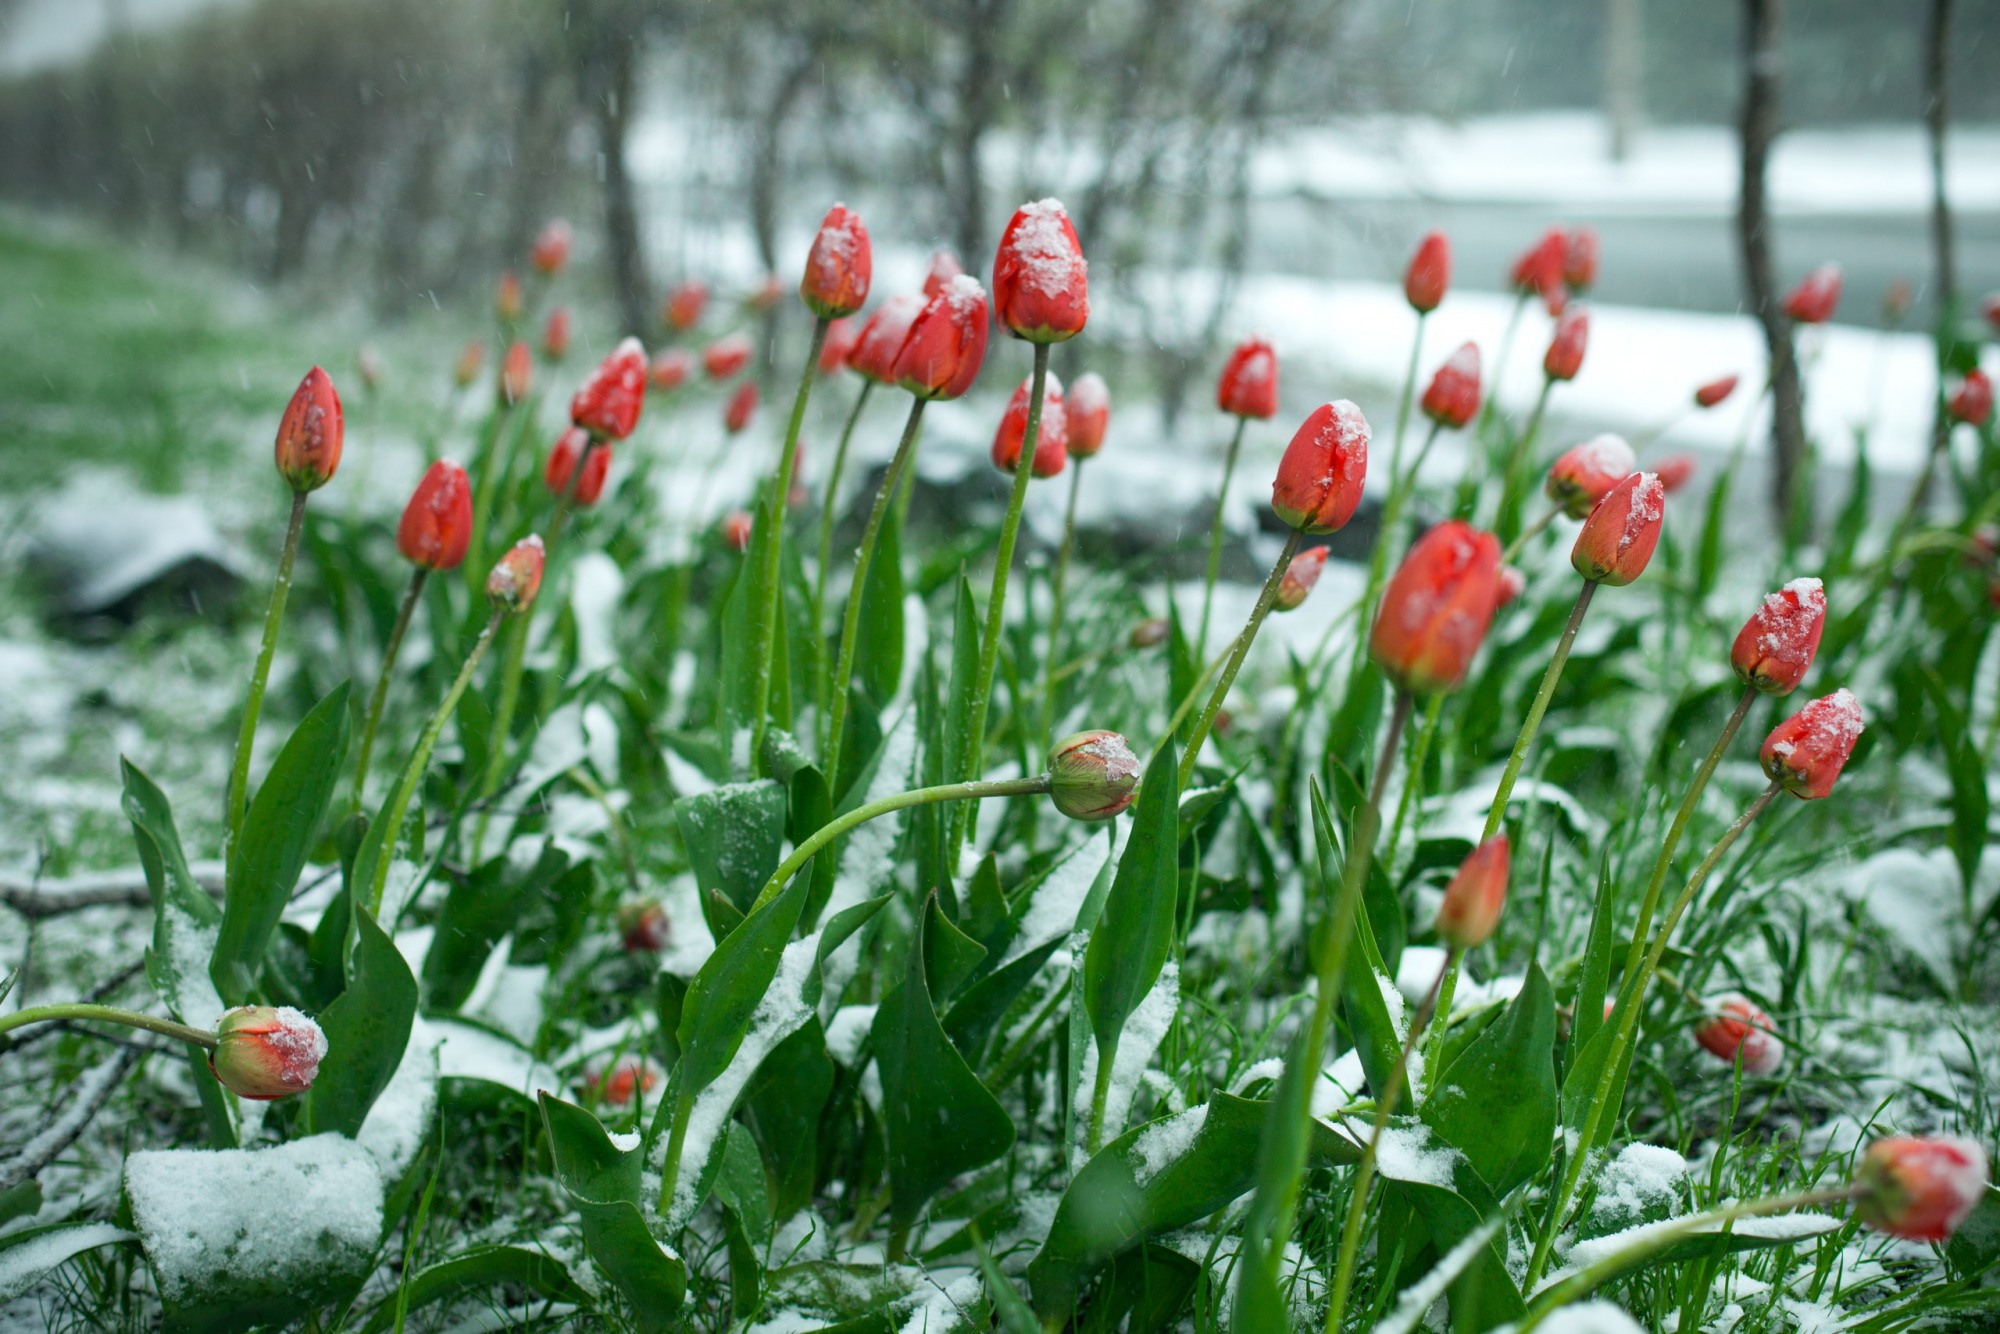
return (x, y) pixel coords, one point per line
(437, 523)
(264, 1052)
(1299, 578)
(1436, 609)
(1087, 410)
(946, 345)
(1249, 383)
(1736, 1027)
(1429, 274)
(1453, 397)
(1806, 752)
(551, 249)
(1051, 432)
(1041, 289)
(1776, 645)
(1813, 301)
(1470, 912)
(1618, 538)
(310, 434)
(607, 405)
(1092, 775)
(839, 266)
(1320, 477)
(1586, 473)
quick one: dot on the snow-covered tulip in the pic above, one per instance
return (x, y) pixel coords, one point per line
(1041, 288)
(1920, 1189)
(1429, 274)
(517, 372)
(470, 358)
(670, 369)
(1580, 256)
(944, 266)
(555, 334)
(644, 928)
(507, 297)
(1818, 293)
(1051, 433)
(742, 406)
(608, 403)
(1586, 473)
(685, 305)
(1092, 775)
(736, 529)
(882, 336)
(1249, 383)
(1805, 753)
(1973, 403)
(1710, 394)
(1472, 902)
(1087, 410)
(727, 355)
(1437, 607)
(838, 345)
(839, 266)
(517, 576)
(1319, 480)
(1618, 538)
(1734, 1026)
(1566, 347)
(310, 434)
(1776, 645)
(1453, 397)
(264, 1052)
(946, 345)
(1300, 576)
(437, 523)
(551, 248)
(1511, 585)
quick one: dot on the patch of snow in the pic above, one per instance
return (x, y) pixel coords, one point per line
(1164, 1142)
(23, 1264)
(1144, 1031)
(1406, 1154)
(596, 586)
(470, 1052)
(397, 1123)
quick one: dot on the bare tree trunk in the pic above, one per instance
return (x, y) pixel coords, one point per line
(1624, 73)
(605, 41)
(1937, 114)
(985, 25)
(1763, 25)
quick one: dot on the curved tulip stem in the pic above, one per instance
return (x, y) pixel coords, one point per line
(1188, 700)
(274, 616)
(1215, 535)
(1059, 584)
(1265, 599)
(850, 622)
(1533, 722)
(411, 593)
(106, 1014)
(1529, 534)
(826, 536)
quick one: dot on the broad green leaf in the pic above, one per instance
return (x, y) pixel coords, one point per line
(733, 834)
(478, 910)
(1594, 981)
(739, 1185)
(1484, 1294)
(1014, 1315)
(1148, 1288)
(1183, 670)
(26, 1256)
(603, 1182)
(1497, 1102)
(960, 743)
(972, 1016)
(878, 656)
(784, 1100)
(20, 1201)
(1364, 992)
(367, 1029)
(1975, 1247)
(1135, 934)
(748, 592)
(725, 994)
(477, 1269)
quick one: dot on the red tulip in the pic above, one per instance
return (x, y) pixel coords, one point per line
(1920, 1189)
(517, 576)
(1511, 585)
(1040, 280)
(1429, 274)
(644, 928)
(726, 356)
(1806, 752)
(1973, 403)
(736, 529)
(1675, 471)
(555, 334)
(551, 249)
(1088, 412)
(264, 1052)
(1472, 902)
(1299, 578)
(946, 344)
(517, 371)
(634, 1076)
(608, 403)
(685, 304)
(1092, 775)
(1437, 607)
(1737, 1026)
(1580, 259)
(1990, 307)
(741, 408)
(943, 268)
(507, 297)
(1051, 432)
(1318, 486)
(466, 369)
(765, 295)
(1249, 383)
(1619, 536)
(882, 337)
(841, 336)
(1453, 397)
(1586, 474)
(670, 369)
(310, 433)
(839, 266)
(1539, 269)
(1712, 393)
(1776, 645)
(1565, 355)
(573, 445)
(437, 523)
(1814, 299)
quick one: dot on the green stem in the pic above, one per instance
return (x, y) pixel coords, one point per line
(1416, 779)
(1529, 534)
(1188, 700)
(826, 533)
(1059, 586)
(390, 649)
(1514, 479)
(1265, 598)
(274, 616)
(1215, 535)
(1498, 812)
(1100, 1094)
(42, 1014)
(483, 496)
(850, 625)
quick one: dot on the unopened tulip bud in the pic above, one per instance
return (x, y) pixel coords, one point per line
(741, 408)
(1092, 775)
(1896, 301)
(1453, 397)
(437, 523)
(1618, 538)
(1040, 280)
(670, 370)
(1675, 471)
(1776, 645)
(310, 434)
(1437, 607)
(1920, 1189)
(944, 266)
(507, 297)
(470, 358)
(839, 267)
(726, 356)
(608, 403)
(1973, 403)
(517, 576)
(1249, 383)
(1565, 355)
(1715, 391)
(882, 337)
(685, 305)
(1586, 474)
(517, 370)
(1087, 410)
(369, 363)
(551, 249)
(1580, 259)
(1300, 576)
(564, 456)
(1736, 1026)
(1511, 585)
(264, 1052)
(1806, 752)
(1051, 432)
(1539, 269)
(765, 295)
(1473, 900)
(644, 928)
(632, 1077)
(1429, 274)
(555, 334)
(736, 529)
(1150, 633)
(838, 346)
(941, 355)
(1814, 299)
(1319, 480)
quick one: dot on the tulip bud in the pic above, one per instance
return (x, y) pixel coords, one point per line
(516, 576)
(1299, 578)
(1453, 397)
(1712, 393)
(670, 370)
(838, 346)
(1806, 752)
(1318, 486)
(726, 356)
(608, 403)
(1586, 474)
(1092, 775)
(564, 455)
(507, 298)
(632, 1077)
(941, 355)
(1675, 471)
(1990, 308)
(437, 523)
(1087, 410)
(1565, 355)
(1511, 585)
(1539, 269)
(1973, 403)
(1150, 633)
(644, 928)
(517, 371)
(369, 363)
(943, 268)
(1814, 299)
(882, 337)
(1920, 1189)
(1896, 301)
(1249, 383)
(765, 295)
(741, 408)
(1580, 259)
(1619, 536)
(839, 266)
(1429, 274)
(264, 1052)
(1473, 900)
(551, 250)
(555, 334)
(470, 358)
(685, 304)
(1437, 607)
(1776, 645)
(1040, 279)
(736, 529)
(1051, 433)
(1737, 1026)
(310, 434)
